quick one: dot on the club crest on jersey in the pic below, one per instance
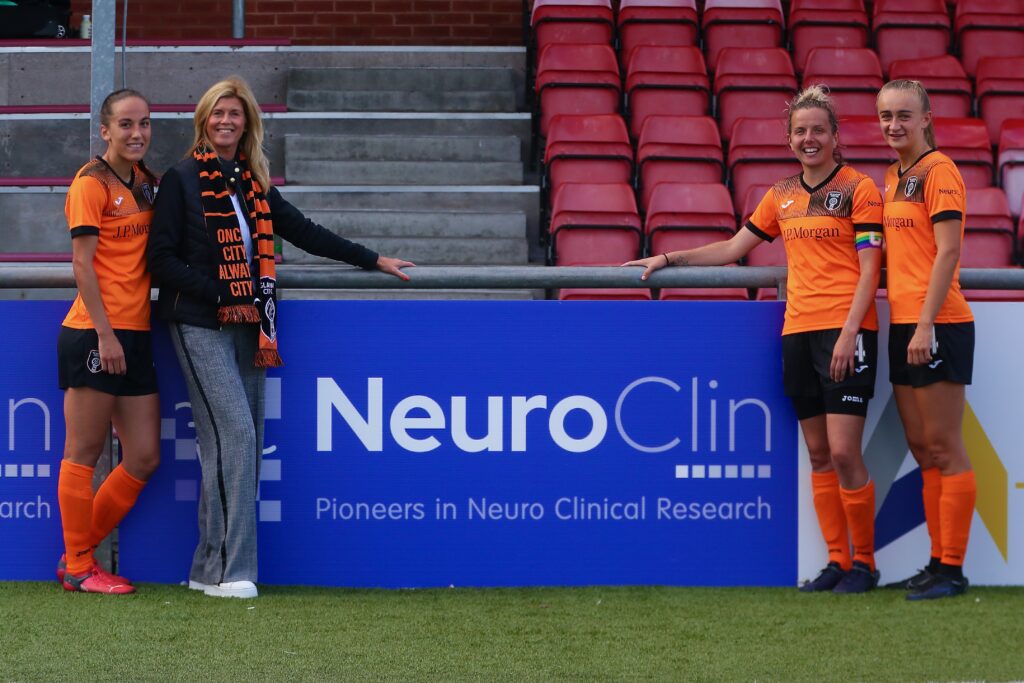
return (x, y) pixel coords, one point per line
(833, 199)
(911, 186)
(147, 192)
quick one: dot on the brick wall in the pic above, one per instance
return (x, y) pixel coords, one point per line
(328, 22)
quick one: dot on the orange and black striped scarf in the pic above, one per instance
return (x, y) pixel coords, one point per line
(243, 300)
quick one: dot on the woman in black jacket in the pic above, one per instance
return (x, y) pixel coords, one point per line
(211, 249)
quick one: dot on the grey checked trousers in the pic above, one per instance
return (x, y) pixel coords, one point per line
(227, 395)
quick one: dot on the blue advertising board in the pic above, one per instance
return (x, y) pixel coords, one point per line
(31, 441)
(498, 444)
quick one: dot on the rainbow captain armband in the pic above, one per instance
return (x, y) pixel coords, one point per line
(868, 240)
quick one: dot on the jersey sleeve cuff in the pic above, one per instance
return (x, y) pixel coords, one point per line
(947, 216)
(85, 230)
(758, 231)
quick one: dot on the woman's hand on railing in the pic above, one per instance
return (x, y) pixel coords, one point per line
(393, 266)
(650, 264)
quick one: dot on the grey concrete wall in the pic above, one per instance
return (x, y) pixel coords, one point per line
(66, 138)
(178, 75)
(33, 221)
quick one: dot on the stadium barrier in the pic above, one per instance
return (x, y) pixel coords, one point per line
(50, 276)
(436, 443)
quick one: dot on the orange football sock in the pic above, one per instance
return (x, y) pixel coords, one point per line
(114, 499)
(74, 494)
(931, 491)
(859, 505)
(828, 503)
(957, 503)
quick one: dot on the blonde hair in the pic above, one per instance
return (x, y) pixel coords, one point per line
(815, 97)
(251, 143)
(922, 95)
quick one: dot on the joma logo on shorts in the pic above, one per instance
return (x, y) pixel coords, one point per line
(852, 399)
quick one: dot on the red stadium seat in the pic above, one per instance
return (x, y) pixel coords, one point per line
(988, 209)
(678, 149)
(854, 77)
(864, 148)
(741, 23)
(678, 212)
(910, 29)
(965, 141)
(756, 79)
(767, 253)
(577, 79)
(989, 240)
(758, 155)
(607, 294)
(683, 216)
(656, 22)
(664, 80)
(1000, 92)
(705, 293)
(594, 224)
(587, 149)
(988, 28)
(753, 197)
(1011, 163)
(825, 23)
(949, 89)
(572, 21)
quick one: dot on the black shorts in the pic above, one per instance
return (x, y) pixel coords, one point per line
(806, 361)
(78, 363)
(952, 355)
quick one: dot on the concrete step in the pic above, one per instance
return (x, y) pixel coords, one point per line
(304, 172)
(436, 199)
(426, 79)
(66, 136)
(61, 76)
(357, 224)
(404, 160)
(402, 148)
(460, 89)
(401, 100)
(427, 238)
(434, 251)
(38, 223)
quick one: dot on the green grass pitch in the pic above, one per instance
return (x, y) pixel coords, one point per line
(168, 633)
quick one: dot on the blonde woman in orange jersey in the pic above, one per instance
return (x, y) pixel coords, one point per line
(105, 364)
(931, 339)
(830, 218)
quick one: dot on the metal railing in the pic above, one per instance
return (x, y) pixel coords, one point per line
(59, 275)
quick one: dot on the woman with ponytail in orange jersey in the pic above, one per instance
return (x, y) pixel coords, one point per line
(830, 218)
(105, 363)
(931, 338)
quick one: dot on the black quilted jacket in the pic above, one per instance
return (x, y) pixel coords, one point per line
(182, 257)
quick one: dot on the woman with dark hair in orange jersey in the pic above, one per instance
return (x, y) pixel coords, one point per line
(105, 363)
(931, 339)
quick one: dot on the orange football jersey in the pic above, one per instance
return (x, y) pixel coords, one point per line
(928, 192)
(99, 203)
(819, 227)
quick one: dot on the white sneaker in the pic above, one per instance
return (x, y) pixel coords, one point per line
(232, 589)
(197, 586)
